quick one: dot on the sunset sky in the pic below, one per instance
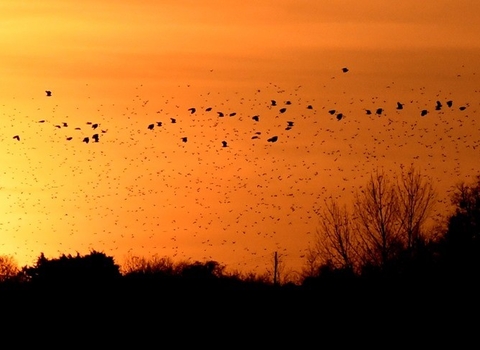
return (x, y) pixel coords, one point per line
(114, 68)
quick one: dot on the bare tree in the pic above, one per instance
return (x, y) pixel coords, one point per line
(416, 199)
(335, 244)
(8, 268)
(377, 221)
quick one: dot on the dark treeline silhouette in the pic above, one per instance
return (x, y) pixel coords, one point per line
(378, 251)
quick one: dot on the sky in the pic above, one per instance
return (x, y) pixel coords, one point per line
(127, 70)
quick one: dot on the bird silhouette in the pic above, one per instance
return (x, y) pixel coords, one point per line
(424, 112)
(184, 139)
(399, 105)
(151, 126)
(86, 139)
(256, 118)
(344, 69)
(16, 137)
(449, 103)
(95, 137)
(273, 139)
(48, 92)
(192, 110)
(224, 144)
(173, 120)
(283, 110)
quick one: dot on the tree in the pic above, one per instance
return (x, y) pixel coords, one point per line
(386, 230)
(377, 219)
(335, 244)
(460, 246)
(8, 268)
(95, 267)
(416, 199)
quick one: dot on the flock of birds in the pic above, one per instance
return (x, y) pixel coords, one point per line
(230, 179)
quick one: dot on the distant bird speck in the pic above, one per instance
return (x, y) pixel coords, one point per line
(344, 69)
(16, 137)
(48, 92)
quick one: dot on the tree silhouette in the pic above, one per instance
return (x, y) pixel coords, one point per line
(94, 267)
(460, 246)
(385, 234)
(8, 268)
(335, 245)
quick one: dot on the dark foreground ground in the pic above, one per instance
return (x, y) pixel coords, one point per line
(146, 316)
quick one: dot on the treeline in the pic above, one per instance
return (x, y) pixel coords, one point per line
(387, 238)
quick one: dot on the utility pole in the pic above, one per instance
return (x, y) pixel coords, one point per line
(275, 266)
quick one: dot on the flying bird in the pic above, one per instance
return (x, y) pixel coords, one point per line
(273, 139)
(48, 92)
(184, 139)
(173, 120)
(399, 105)
(151, 126)
(450, 103)
(283, 110)
(423, 112)
(224, 144)
(192, 110)
(86, 140)
(16, 137)
(256, 118)
(344, 69)
(95, 137)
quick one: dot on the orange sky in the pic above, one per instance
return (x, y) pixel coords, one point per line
(145, 192)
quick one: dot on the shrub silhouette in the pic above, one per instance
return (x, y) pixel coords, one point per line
(95, 267)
